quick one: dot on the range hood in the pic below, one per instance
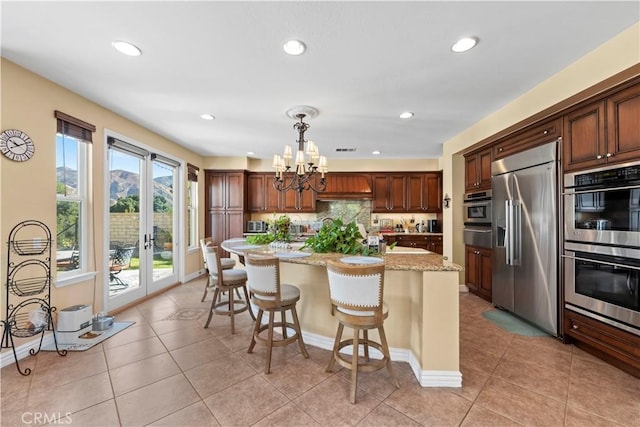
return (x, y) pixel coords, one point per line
(347, 186)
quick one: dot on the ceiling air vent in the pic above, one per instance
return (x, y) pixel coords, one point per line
(345, 150)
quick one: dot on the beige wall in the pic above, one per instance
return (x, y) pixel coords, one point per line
(28, 189)
(612, 57)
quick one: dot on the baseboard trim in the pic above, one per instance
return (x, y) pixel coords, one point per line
(428, 378)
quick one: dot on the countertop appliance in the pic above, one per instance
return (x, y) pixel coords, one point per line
(477, 208)
(525, 233)
(256, 227)
(73, 322)
(602, 205)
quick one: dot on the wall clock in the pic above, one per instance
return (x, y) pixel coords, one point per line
(16, 145)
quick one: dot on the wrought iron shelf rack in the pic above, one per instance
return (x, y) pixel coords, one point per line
(28, 288)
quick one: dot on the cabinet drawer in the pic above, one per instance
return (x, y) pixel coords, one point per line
(614, 342)
(531, 137)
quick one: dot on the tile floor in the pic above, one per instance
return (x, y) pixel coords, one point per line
(176, 373)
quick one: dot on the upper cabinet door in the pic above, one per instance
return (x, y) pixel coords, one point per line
(255, 193)
(235, 191)
(623, 125)
(584, 136)
(433, 192)
(215, 199)
(478, 170)
(398, 199)
(381, 193)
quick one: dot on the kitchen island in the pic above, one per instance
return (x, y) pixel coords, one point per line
(421, 290)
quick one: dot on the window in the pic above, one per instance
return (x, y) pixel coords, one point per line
(192, 205)
(72, 191)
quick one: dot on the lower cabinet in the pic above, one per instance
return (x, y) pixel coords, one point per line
(478, 271)
(618, 347)
(421, 241)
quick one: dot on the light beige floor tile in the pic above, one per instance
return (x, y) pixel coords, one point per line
(532, 352)
(604, 374)
(13, 385)
(287, 416)
(534, 377)
(196, 415)
(199, 353)
(429, 406)
(184, 337)
(379, 382)
(472, 381)
(617, 404)
(384, 415)
(219, 374)
(517, 403)
(100, 415)
(165, 326)
(238, 405)
(577, 418)
(295, 376)
(143, 372)
(130, 315)
(133, 333)
(238, 341)
(155, 401)
(478, 357)
(72, 367)
(480, 417)
(328, 403)
(71, 397)
(132, 352)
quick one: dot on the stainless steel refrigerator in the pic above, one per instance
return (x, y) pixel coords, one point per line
(525, 230)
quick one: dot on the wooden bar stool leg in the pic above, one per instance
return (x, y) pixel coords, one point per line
(336, 343)
(354, 364)
(232, 308)
(256, 329)
(385, 349)
(272, 315)
(216, 295)
(365, 335)
(283, 317)
(296, 324)
(248, 300)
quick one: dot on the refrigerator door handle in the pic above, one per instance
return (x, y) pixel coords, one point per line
(516, 222)
(508, 239)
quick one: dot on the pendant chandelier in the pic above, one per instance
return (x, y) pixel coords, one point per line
(307, 173)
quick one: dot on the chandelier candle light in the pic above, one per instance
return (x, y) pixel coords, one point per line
(308, 163)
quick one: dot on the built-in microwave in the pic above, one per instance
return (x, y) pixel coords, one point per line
(477, 208)
(602, 205)
(603, 282)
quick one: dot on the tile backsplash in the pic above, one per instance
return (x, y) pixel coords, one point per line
(350, 210)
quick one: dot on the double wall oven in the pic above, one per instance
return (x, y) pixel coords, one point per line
(477, 219)
(602, 244)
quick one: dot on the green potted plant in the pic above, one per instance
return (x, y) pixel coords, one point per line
(335, 236)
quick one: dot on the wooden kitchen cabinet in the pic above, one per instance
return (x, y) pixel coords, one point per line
(530, 137)
(618, 347)
(225, 204)
(389, 193)
(432, 243)
(478, 170)
(424, 192)
(261, 196)
(603, 132)
(292, 201)
(478, 271)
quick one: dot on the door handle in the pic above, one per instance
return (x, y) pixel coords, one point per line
(508, 230)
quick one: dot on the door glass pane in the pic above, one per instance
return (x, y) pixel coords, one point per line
(163, 222)
(124, 222)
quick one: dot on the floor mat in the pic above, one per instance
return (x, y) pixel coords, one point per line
(510, 323)
(86, 344)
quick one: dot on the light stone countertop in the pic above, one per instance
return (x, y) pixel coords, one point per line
(408, 259)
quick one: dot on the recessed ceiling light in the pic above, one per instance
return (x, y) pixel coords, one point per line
(250, 153)
(464, 44)
(406, 115)
(294, 47)
(207, 116)
(375, 153)
(126, 48)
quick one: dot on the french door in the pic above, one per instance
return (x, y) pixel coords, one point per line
(143, 218)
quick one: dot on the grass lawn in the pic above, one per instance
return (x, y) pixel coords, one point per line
(157, 263)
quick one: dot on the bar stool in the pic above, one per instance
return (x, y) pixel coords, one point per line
(356, 293)
(225, 262)
(269, 295)
(226, 281)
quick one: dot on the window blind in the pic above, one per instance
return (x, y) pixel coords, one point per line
(73, 127)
